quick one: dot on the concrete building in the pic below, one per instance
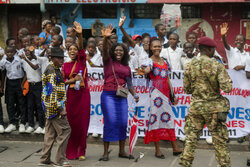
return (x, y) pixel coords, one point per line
(201, 16)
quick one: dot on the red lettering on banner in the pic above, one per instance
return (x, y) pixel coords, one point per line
(178, 123)
(141, 122)
(241, 124)
(187, 100)
(234, 124)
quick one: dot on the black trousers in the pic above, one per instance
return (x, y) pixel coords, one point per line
(13, 95)
(1, 111)
(34, 102)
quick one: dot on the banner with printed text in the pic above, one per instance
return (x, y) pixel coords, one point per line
(238, 121)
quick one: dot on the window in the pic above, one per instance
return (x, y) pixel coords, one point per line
(99, 11)
(190, 12)
(246, 11)
(145, 11)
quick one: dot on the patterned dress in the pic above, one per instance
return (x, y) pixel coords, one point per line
(161, 123)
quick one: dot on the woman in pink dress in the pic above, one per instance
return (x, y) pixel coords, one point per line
(78, 101)
(161, 122)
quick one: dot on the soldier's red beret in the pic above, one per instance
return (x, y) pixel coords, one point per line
(207, 42)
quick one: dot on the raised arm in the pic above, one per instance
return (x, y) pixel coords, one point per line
(29, 62)
(106, 33)
(223, 31)
(131, 41)
(78, 30)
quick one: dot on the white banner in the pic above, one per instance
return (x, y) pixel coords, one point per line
(238, 121)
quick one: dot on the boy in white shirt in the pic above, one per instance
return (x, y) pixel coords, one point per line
(34, 78)
(173, 53)
(236, 56)
(94, 59)
(15, 74)
(189, 54)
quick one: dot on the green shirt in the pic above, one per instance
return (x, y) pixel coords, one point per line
(204, 78)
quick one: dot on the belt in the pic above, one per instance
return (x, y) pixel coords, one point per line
(35, 83)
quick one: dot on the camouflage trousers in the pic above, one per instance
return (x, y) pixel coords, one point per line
(193, 128)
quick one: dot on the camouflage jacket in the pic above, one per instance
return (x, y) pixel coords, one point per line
(204, 78)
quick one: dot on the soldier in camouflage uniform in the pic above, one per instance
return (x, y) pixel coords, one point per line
(204, 77)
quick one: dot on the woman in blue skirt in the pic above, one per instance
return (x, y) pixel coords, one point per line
(117, 74)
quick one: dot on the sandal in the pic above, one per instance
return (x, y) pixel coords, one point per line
(160, 156)
(177, 153)
(123, 156)
(82, 158)
(46, 163)
(104, 158)
(64, 164)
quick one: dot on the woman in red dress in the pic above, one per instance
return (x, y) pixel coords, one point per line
(78, 101)
(161, 122)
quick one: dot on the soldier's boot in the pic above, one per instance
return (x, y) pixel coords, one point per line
(185, 163)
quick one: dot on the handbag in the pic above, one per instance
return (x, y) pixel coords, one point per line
(82, 84)
(121, 91)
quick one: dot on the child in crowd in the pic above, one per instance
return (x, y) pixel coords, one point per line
(56, 41)
(33, 75)
(138, 39)
(25, 42)
(141, 52)
(68, 42)
(93, 58)
(22, 33)
(36, 43)
(189, 54)
(53, 99)
(15, 74)
(11, 42)
(44, 61)
(55, 31)
(160, 30)
(173, 53)
(236, 56)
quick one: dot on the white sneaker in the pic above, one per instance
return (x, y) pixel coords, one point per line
(21, 128)
(101, 136)
(94, 135)
(38, 130)
(1, 129)
(10, 128)
(43, 131)
(29, 129)
(209, 140)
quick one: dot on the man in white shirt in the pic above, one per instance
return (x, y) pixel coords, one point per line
(173, 53)
(34, 78)
(15, 74)
(236, 56)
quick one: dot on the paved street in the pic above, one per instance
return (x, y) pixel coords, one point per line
(27, 154)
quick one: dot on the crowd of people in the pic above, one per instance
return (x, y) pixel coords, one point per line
(46, 80)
